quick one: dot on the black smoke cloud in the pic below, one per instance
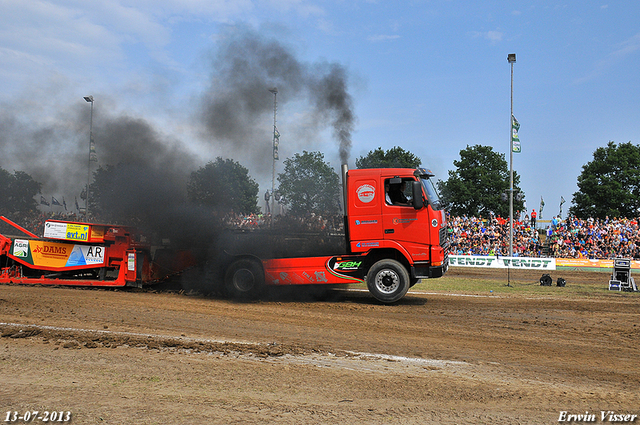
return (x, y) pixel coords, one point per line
(50, 150)
(151, 172)
(147, 170)
(245, 67)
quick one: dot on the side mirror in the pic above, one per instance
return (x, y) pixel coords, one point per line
(417, 195)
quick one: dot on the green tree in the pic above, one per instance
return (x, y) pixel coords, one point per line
(23, 189)
(17, 192)
(5, 181)
(475, 188)
(225, 185)
(609, 185)
(309, 184)
(395, 157)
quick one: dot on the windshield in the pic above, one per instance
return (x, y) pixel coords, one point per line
(432, 193)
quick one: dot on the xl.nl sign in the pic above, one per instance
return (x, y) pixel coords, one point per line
(495, 262)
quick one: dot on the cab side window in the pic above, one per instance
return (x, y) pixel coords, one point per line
(398, 191)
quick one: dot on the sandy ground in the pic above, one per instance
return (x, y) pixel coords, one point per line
(165, 357)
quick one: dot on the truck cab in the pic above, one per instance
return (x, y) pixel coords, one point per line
(398, 210)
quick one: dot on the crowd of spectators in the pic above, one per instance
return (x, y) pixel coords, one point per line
(570, 238)
(308, 223)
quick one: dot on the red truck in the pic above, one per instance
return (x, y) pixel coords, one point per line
(395, 234)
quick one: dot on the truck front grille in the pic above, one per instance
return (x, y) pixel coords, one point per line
(444, 240)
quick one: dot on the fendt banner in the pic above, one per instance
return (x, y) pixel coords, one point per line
(498, 262)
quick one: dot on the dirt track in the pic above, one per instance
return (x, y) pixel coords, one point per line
(162, 358)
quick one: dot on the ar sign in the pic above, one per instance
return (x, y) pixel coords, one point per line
(85, 255)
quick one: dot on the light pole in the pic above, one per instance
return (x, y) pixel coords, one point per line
(91, 153)
(276, 141)
(511, 57)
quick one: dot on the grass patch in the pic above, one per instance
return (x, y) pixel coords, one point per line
(483, 286)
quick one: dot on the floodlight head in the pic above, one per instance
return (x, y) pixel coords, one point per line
(274, 90)
(511, 57)
(88, 98)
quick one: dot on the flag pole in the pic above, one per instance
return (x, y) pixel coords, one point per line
(511, 57)
(274, 90)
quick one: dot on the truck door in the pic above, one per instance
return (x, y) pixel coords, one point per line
(365, 223)
(402, 222)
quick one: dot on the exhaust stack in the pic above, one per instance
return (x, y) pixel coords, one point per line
(344, 168)
(345, 199)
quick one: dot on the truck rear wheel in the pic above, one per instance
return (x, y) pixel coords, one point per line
(244, 279)
(388, 281)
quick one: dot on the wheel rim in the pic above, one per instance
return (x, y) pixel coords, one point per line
(387, 281)
(244, 280)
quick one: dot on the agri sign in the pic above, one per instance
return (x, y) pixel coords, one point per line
(502, 262)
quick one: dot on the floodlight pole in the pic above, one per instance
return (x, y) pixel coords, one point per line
(511, 57)
(86, 209)
(273, 168)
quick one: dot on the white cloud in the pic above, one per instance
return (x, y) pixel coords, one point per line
(97, 39)
(492, 36)
(302, 8)
(627, 47)
(210, 10)
(383, 37)
(624, 49)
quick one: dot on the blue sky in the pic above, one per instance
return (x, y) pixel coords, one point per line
(429, 76)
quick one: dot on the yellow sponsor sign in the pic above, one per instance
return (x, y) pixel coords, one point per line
(50, 254)
(77, 232)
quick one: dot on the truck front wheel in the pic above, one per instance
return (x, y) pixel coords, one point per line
(388, 281)
(244, 279)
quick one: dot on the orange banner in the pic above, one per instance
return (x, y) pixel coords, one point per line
(585, 262)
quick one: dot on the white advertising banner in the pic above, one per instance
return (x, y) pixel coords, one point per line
(497, 262)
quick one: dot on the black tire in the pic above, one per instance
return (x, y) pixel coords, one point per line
(388, 281)
(244, 279)
(546, 280)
